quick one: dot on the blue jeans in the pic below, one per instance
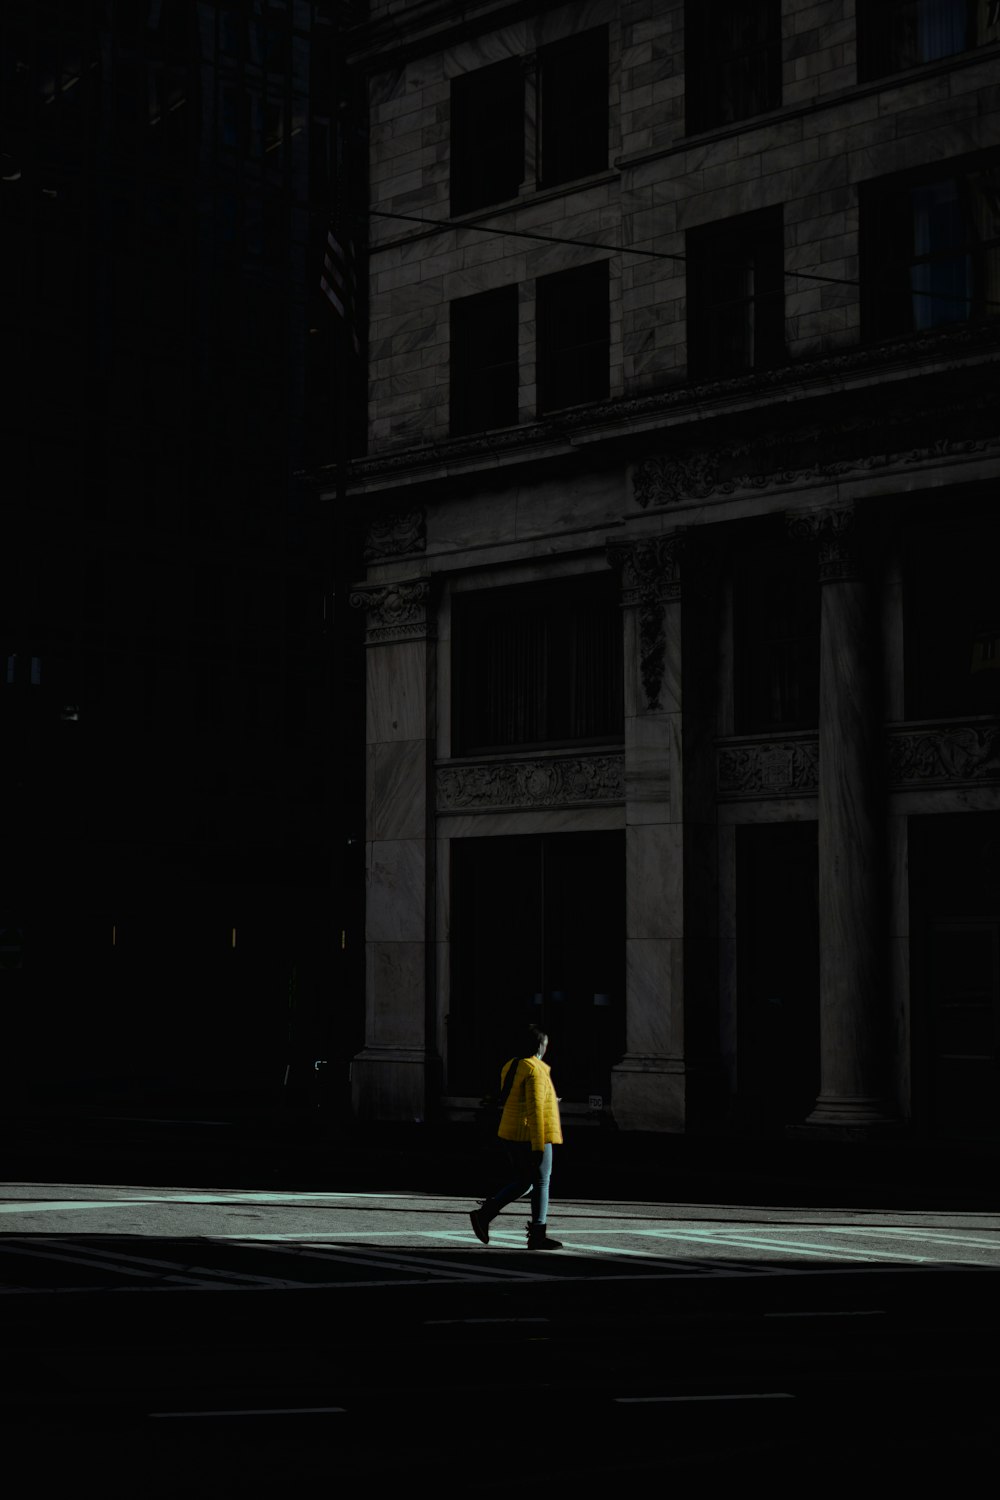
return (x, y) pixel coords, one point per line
(529, 1170)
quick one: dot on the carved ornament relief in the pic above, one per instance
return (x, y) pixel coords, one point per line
(396, 535)
(790, 459)
(769, 768)
(650, 573)
(564, 781)
(835, 532)
(396, 611)
(937, 756)
(959, 753)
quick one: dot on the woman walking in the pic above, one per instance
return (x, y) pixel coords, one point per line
(529, 1127)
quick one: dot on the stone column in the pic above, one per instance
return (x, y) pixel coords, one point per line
(853, 999)
(651, 1086)
(389, 1076)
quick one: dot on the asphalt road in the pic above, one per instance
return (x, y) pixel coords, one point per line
(166, 1341)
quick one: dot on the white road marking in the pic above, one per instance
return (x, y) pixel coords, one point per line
(36, 1254)
(411, 1262)
(125, 1263)
(843, 1312)
(733, 1396)
(793, 1247)
(230, 1200)
(442, 1322)
(263, 1411)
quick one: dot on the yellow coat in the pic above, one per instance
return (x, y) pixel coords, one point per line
(532, 1109)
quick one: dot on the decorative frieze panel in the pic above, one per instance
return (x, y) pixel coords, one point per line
(396, 611)
(883, 440)
(942, 755)
(560, 781)
(769, 768)
(397, 534)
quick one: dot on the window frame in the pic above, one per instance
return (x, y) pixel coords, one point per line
(500, 130)
(556, 603)
(876, 45)
(887, 305)
(573, 286)
(466, 378)
(762, 231)
(705, 102)
(573, 144)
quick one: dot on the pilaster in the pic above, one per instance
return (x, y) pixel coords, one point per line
(651, 1086)
(389, 1076)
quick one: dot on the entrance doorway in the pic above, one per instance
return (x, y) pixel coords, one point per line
(777, 875)
(954, 864)
(538, 935)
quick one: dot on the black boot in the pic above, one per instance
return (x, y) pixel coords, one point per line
(480, 1219)
(539, 1240)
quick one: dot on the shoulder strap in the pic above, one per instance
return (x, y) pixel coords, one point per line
(508, 1082)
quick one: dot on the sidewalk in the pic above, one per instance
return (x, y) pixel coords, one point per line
(187, 1146)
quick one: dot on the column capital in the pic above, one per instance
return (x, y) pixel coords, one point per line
(650, 567)
(836, 532)
(396, 611)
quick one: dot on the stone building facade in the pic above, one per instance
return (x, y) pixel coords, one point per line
(683, 724)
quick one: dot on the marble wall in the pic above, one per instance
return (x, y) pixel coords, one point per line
(830, 137)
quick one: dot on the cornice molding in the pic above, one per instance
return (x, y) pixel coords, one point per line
(607, 420)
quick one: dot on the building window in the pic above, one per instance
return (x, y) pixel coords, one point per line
(573, 87)
(573, 330)
(898, 34)
(537, 665)
(484, 360)
(732, 61)
(930, 249)
(776, 641)
(952, 619)
(487, 136)
(736, 304)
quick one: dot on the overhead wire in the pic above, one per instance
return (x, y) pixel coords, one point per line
(554, 239)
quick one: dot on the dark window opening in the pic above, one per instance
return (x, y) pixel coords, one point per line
(487, 136)
(732, 61)
(538, 665)
(573, 87)
(930, 249)
(898, 34)
(484, 361)
(573, 331)
(952, 619)
(776, 637)
(736, 299)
